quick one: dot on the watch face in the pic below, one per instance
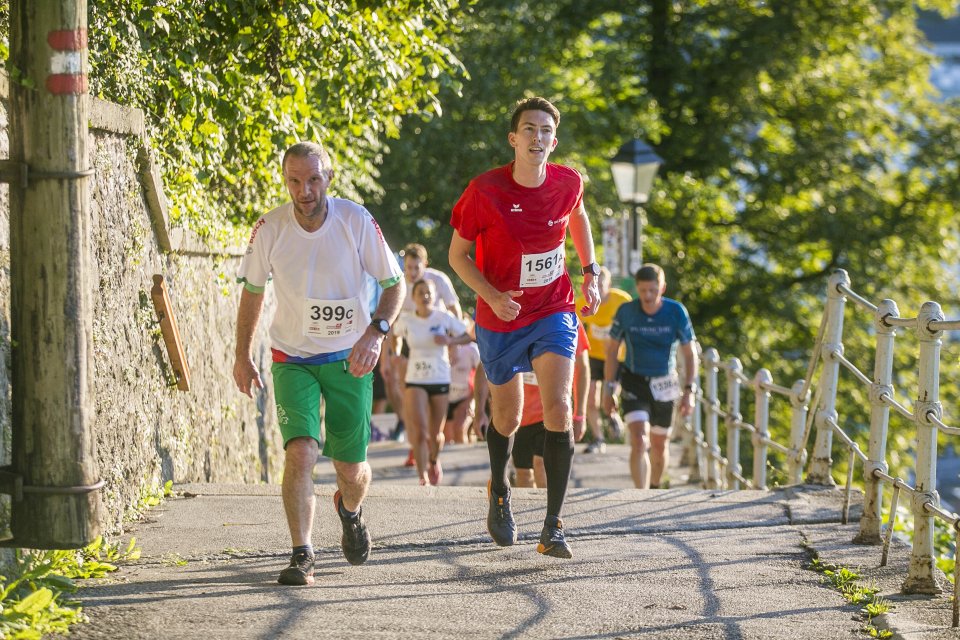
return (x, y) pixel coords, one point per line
(592, 268)
(382, 326)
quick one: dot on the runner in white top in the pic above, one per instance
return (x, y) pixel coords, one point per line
(317, 251)
(415, 268)
(427, 332)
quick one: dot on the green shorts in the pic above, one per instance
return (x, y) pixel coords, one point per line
(298, 389)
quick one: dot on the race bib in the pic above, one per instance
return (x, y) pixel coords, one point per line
(421, 369)
(600, 331)
(540, 269)
(529, 377)
(665, 388)
(331, 318)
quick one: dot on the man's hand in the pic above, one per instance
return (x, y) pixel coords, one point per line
(591, 295)
(579, 423)
(480, 424)
(505, 307)
(609, 401)
(247, 376)
(365, 353)
(687, 402)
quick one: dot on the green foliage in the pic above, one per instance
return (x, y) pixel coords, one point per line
(35, 599)
(226, 85)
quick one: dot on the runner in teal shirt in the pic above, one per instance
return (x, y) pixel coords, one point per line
(654, 328)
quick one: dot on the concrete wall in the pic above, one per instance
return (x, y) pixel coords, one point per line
(148, 431)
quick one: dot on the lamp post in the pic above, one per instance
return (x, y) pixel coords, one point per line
(634, 168)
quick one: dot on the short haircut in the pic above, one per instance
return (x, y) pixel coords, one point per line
(533, 104)
(650, 273)
(414, 250)
(305, 150)
(427, 283)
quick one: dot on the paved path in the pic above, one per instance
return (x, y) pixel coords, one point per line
(677, 563)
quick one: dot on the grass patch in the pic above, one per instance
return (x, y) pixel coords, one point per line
(848, 583)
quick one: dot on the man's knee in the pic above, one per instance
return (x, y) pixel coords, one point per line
(659, 437)
(353, 473)
(638, 438)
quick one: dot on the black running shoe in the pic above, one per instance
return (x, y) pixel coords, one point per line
(300, 571)
(552, 542)
(355, 541)
(500, 522)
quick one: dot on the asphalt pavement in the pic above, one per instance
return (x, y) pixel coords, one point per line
(673, 563)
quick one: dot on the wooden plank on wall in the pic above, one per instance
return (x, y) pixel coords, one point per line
(170, 332)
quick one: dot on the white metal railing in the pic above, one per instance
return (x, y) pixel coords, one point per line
(718, 467)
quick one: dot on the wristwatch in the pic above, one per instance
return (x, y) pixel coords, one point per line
(692, 387)
(381, 325)
(593, 269)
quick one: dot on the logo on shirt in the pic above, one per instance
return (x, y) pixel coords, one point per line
(516, 209)
(550, 223)
(256, 227)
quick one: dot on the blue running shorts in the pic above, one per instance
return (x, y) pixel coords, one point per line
(507, 353)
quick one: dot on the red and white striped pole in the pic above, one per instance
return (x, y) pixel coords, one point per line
(67, 76)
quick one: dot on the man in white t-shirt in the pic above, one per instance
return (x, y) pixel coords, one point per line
(317, 251)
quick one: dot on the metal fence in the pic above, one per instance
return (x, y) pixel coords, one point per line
(813, 407)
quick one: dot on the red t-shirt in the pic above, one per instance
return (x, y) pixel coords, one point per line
(532, 404)
(519, 234)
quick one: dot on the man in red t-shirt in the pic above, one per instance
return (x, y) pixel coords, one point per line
(517, 216)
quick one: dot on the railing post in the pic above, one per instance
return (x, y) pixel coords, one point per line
(921, 577)
(761, 423)
(829, 376)
(872, 519)
(711, 364)
(798, 426)
(734, 369)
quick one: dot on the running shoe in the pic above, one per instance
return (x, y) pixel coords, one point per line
(300, 571)
(411, 461)
(500, 522)
(355, 541)
(434, 472)
(398, 433)
(552, 542)
(597, 446)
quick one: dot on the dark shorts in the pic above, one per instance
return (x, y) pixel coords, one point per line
(431, 389)
(505, 354)
(453, 406)
(638, 402)
(596, 370)
(528, 442)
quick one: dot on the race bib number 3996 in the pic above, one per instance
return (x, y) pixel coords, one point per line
(540, 269)
(330, 318)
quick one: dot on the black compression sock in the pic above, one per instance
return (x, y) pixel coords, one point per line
(500, 448)
(304, 547)
(557, 461)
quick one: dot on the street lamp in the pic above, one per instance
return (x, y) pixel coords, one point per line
(634, 168)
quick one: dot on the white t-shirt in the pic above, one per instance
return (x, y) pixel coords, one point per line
(320, 278)
(428, 362)
(443, 285)
(466, 359)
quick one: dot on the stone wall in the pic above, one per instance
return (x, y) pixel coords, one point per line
(148, 431)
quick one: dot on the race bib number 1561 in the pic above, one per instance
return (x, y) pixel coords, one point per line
(540, 269)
